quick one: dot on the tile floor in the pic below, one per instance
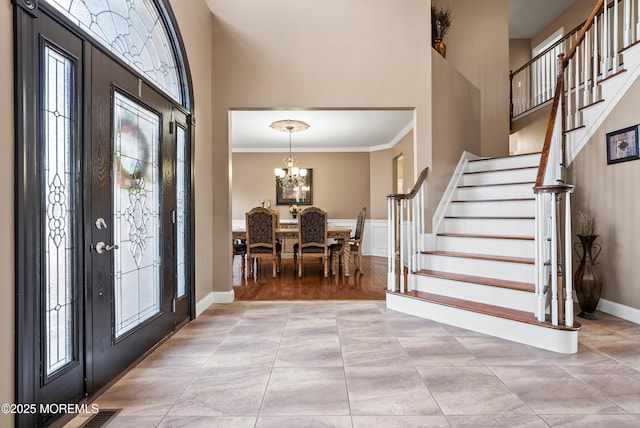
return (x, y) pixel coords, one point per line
(357, 364)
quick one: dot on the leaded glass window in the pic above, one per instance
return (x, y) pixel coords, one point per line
(136, 194)
(59, 209)
(134, 32)
(181, 203)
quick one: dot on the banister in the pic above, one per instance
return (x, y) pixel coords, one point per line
(414, 190)
(559, 93)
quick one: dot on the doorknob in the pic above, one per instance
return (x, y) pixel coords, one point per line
(101, 247)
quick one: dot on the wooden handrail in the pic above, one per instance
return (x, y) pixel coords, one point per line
(414, 190)
(559, 93)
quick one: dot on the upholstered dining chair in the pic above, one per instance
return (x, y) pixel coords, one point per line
(240, 249)
(261, 238)
(356, 246)
(312, 238)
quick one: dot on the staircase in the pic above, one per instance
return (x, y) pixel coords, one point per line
(494, 262)
(479, 274)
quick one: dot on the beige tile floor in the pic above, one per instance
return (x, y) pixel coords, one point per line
(357, 364)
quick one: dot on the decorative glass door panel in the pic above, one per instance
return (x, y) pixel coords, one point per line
(60, 212)
(181, 203)
(136, 204)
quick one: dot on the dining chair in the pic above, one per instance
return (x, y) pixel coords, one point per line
(356, 246)
(261, 239)
(312, 238)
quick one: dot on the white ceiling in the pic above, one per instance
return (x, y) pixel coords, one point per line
(333, 130)
(363, 130)
(528, 17)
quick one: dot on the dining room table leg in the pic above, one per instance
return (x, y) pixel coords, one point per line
(346, 257)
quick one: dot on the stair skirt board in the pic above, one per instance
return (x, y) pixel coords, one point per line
(556, 340)
(491, 295)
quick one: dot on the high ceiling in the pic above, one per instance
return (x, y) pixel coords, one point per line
(528, 17)
(363, 130)
(354, 130)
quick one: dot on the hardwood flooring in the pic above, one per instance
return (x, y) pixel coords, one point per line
(371, 285)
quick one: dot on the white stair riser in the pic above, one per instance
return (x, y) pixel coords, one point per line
(496, 247)
(493, 209)
(498, 177)
(555, 340)
(508, 227)
(502, 163)
(478, 267)
(511, 191)
(497, 296)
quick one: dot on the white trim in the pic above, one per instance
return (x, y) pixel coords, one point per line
(447, 196)
(203, 304)
(621, 311)
(214, 297)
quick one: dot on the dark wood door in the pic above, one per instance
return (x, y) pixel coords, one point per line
(131, 196)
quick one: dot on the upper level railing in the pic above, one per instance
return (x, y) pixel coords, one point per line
(610, 31)
(406, 217)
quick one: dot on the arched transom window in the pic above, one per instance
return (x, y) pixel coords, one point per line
(134, 32)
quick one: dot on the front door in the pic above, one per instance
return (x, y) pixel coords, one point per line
(103, 219)
(132, 204)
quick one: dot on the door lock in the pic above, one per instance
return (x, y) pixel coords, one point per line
(101, 247)
(101, 224)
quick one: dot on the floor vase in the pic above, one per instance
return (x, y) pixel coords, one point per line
(587, 278)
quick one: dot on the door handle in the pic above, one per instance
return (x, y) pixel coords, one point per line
(101, 247)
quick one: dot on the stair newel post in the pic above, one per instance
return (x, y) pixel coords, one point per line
(391, 236)
(568, 274)
(540, 257)
(553, 259)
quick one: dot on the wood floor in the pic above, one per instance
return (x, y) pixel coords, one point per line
(370, 285)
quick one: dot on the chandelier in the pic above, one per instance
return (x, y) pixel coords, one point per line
(290, 177)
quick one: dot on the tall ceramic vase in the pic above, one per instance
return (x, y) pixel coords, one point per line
(587, 279)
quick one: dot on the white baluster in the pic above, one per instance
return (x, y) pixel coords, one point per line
(627, 23)
(412, 243)
(391, 247)
(539, 244)
(568, 97)
(568, 274)
(400, 268)
(587, 69)
(576, 66)
(614, 35)
(554, 263)
(605, 41)
(596, 64)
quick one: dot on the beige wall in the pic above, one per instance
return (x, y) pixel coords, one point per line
(528, 132)
(7, 180)
(340, 182)
(381, 180)
(569, 19)
(195, 23)
(478, 47)
(456, 124)
(610, 193)
(519, 53)
(331, 54)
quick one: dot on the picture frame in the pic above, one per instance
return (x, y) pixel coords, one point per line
(298, 196)
(622, 145)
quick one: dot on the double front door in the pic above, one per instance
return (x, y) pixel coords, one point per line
(113, 172)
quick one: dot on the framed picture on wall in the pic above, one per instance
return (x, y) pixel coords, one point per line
(622, 145)
(302, 195)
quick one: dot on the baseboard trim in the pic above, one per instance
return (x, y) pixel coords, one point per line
(214, 297)
(203, 304)
(621, 311)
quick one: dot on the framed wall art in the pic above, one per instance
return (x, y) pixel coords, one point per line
(622, 145)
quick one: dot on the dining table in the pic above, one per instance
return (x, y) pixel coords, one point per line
(341, 234)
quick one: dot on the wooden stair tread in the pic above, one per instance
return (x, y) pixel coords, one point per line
(469, 235)
(502, 170)
(483, 308)
(494, 200)
(522, 260)
(493, 282)
(532, 183)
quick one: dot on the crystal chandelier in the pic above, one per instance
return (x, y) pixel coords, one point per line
(291, 177)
